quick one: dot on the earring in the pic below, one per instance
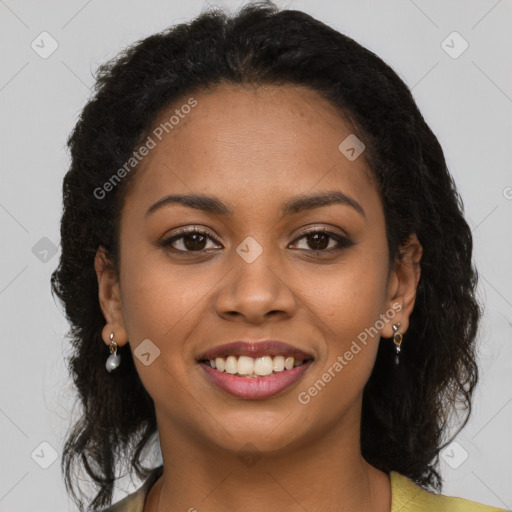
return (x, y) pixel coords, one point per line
(114, 360)
(397, 340)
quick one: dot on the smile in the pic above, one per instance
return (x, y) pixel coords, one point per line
(254, 378)
(251, 367)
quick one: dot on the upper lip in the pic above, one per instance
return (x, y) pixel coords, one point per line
(255, 349)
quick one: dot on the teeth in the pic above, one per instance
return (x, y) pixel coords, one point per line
(245, 365)
(278, 363)
(231, 365)
(220, 364)
(263, 366)
(254, 367)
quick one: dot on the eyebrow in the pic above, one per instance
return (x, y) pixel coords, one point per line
(213, 205)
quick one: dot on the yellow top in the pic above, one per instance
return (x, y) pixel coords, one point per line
(406, 496)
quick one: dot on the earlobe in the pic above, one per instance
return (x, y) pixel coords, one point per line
(109, 297)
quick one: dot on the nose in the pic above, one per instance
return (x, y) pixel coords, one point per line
(254, 291)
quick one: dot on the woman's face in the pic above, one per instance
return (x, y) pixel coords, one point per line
(255, 275)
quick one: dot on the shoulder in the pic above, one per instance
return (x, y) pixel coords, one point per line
(407, 495)
(135, 501)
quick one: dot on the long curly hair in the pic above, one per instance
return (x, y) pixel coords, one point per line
(406, 410)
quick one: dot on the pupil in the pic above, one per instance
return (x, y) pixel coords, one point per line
(316, 242)
(194, 237)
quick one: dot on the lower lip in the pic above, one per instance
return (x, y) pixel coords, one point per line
(253, 388)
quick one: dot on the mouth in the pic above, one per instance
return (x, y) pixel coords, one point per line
(255, 370)
(250, 367)
(254, 359)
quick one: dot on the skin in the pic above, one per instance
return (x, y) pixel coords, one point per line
(254, 148)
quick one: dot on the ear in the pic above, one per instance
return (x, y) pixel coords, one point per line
(402, 285)
(110, 298)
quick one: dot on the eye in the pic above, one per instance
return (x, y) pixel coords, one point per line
(195, 240)
(319, 240)
(190, 240)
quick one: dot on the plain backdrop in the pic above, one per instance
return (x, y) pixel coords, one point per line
(465, 96)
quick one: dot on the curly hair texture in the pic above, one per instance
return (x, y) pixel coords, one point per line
(406, 410)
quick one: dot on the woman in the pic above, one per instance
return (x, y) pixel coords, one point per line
(256, 218)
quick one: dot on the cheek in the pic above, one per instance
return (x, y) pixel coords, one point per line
(351, 295)
(159, 296)
(351, 344)
(158, 305)
(349, 304)
(164, 303)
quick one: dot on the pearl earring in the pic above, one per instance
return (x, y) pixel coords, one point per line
(397, 340)
(114, 360)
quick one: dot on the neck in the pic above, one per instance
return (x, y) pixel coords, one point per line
(326, 473)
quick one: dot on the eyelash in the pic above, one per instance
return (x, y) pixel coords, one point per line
(343, 242)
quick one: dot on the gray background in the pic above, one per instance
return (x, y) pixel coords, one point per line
(467, 101)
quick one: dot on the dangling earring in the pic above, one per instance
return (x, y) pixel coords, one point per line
(397, 340)
(114, 360)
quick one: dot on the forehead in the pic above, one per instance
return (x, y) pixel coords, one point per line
(261, 142)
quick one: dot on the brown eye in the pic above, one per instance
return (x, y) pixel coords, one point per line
(318, 240)
(193, 240)
(196, 240)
